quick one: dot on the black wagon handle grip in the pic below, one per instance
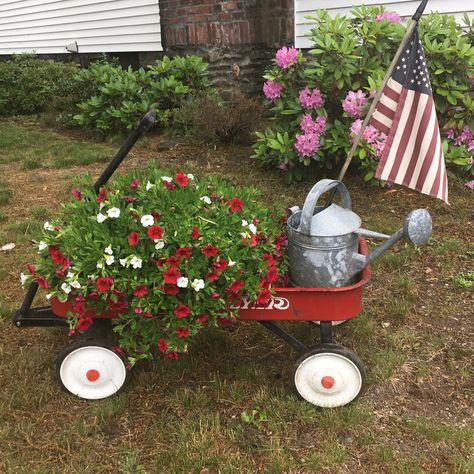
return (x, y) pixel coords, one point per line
(145, 123)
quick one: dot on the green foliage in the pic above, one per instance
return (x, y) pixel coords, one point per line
(119, 97)
(352, 54)
(29, 85)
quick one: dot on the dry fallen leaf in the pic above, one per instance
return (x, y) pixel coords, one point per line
(428, 270)
(7, 247)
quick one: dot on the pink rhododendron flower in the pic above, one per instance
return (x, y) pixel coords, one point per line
(355, 128)
(389, 16)
(311, 100)
(450, 133)
(285, 57)
(371, 135)
(308, 125)
(470, 184)
(465, 137)
(307, 144)
(272, 90)
(353, 103)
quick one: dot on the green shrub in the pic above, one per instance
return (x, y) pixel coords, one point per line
(348, 61)
(29, 85)
(119, 97)
(211, 120)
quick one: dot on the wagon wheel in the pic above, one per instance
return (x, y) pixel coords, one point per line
(334, 323)
(329, 375)
(90, 369)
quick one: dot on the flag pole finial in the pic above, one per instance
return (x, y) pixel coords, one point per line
(420, 10)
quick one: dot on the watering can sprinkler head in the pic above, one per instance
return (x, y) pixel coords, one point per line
(417, 226)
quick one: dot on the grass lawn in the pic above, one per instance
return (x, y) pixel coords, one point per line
(230, 406)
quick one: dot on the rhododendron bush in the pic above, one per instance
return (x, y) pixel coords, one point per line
(318, 100)
(168, 252)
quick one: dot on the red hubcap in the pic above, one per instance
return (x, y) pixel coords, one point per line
(327, 382)
(92, 375)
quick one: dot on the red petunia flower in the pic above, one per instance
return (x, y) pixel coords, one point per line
(263, 296)
(236, 205)
(181, 311)
(181, 179)
(202, 318)
(79, 308)
(138, 310)
(101, 195)
(140, 291)
(42, 282)
(133, 239)
(211, 276)
(171, 276)
(134, 184)
(76, 194)
(155, 232)
(155, 215)
(172, 290)
(31, 269)
(162, 345)
(147, 315)
(253, 241)
(168, 185)
(60, 272)
(215, 296)
(183, 252)
(195, 233)
(210, 251)
(172, 355)
(236, 286)
(172, 262)
(83, 324)
(272, 275)
(129, 199)
(220, 265)
(182, 332)
(104, 284)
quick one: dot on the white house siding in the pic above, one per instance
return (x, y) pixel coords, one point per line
(47, 26)
(405, 8)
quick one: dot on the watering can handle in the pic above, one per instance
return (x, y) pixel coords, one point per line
(312, 199)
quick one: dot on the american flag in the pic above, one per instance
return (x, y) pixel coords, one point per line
(413, 153)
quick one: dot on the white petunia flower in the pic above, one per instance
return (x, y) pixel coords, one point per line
(42, 245)
(110, 259)
(167, 179)
(101, 205)
(136, 262)
(70, 275)
(48, 226)
(123, 262)
(244, 223)
(244, 234)
(66, 288)
(190, 176)
(206, 199)
(147, 220)
(113, 212)
(101, 218)
(159, 244)
(149, 186)
(75, 284)
(23, 278)
(100, 265)
(48, 296)
(230, 263)
(108, 250)
(252, 228)
(197, 284)
(182, 282)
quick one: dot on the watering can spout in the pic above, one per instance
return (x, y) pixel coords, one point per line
(416, 228)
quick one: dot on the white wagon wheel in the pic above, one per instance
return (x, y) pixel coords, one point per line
(329, 375)
(91, 370)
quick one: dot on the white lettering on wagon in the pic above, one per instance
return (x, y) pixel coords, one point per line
(277, 302)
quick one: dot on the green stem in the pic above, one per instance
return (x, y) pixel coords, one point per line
(207, 220)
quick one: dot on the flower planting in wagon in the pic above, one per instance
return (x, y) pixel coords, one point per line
(165, 252)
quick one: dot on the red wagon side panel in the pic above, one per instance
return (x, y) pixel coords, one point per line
(311, 304)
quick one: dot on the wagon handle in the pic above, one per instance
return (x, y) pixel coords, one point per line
(142, 126)
(312, 198)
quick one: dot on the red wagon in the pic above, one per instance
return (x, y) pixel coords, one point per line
(326, 374)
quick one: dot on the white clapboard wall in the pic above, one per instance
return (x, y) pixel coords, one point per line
(47, 26)
(405, 8)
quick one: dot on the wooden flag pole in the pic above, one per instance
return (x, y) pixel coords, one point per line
(408, 33)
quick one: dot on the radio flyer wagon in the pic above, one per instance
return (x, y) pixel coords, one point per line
(326, 374)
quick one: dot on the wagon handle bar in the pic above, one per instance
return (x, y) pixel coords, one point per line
(145, 123)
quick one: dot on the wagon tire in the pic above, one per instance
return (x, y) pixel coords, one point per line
(329, 376)
(91, 370)
(334, 323)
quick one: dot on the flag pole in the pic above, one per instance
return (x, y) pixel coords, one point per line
(408, 33)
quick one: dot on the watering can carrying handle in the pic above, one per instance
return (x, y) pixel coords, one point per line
(312, 199)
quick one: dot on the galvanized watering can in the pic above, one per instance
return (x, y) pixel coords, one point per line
(323, 241)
